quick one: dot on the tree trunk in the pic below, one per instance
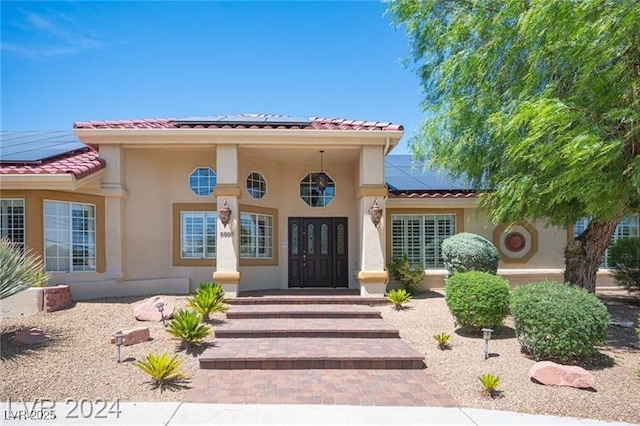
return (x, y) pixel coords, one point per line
(583, 255)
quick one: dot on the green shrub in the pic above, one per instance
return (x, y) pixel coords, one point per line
(18, 270)
(490, 383)
(557, 321)
(443, 340)
(477, 299)
(409, 276)
(466, 252)
(162, 368)
(624, 259)
(399, 298)
(208, 299)
(187, 325)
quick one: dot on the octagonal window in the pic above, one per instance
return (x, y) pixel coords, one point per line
(202, 181)
(311, 194)
(256, 185)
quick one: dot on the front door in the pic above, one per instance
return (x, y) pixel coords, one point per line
(318, 252)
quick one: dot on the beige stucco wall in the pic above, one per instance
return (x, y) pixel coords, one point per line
(158, 178)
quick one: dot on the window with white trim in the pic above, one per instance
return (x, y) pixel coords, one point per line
(12, 220)
(69, 236)
(202, 181)
(256, 236)
(312, 195)
(420, 237)
(256, 185)
(198, 234)
(629, 227)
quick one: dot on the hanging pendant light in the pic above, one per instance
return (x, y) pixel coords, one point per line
(321, 178)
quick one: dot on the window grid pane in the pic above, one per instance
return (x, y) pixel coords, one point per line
(256, 236)
(198, 235)
(311, 194)
(202, 181)
(12, 221)
(420, 238)
(256, 185)
(69, 236)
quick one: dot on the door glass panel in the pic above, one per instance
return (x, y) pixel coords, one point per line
(324, 239)
(341, 239)
(294, 238)
(311, 239)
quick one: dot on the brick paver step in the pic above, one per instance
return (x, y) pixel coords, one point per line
(308, 300)
(372, 328)
(302, 311)
(305, 353)
(329, 387)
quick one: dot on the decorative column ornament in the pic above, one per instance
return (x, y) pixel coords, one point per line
(321, 178)
(225, 214)
(375, 212)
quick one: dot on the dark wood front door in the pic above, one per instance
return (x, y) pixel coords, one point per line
(318, 252)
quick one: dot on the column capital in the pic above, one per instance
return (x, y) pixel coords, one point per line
(227, 190)
(372, 190)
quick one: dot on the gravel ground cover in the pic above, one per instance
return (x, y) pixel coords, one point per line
(79, 362)
(617, 386)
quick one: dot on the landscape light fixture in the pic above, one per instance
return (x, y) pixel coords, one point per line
(160, 307)
(225, 214)
(375, 212)
(322, 179)
(119, 336)
(486, 335)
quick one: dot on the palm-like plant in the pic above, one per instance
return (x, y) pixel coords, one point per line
(188, 327)
(399, 297)
(163, 369)
(490, 383)
(443, 340)
(208, 299)
(18, 270)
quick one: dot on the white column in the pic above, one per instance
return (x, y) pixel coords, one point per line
(227, 271)
(116, 194)
(372, 275)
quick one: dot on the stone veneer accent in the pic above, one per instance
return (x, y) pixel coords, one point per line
(56, 298)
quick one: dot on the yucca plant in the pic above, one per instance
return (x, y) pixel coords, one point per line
(490, 383)
(208, 299)
(18, 270)
(399, 297)
(443, 340)
(188, 327)
(163, 369)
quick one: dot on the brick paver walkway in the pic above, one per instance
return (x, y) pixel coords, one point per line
(335, 387)
(312, 349)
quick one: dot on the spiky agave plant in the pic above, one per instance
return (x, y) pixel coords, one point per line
(443, 340)
(163, 369)
(18, 270)
(399, 297)
(188, 327)
(490, 383)
(208, 299)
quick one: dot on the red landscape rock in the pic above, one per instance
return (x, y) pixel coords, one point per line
(29, 337)
(146, 310)
(550, 373)
(133, 336)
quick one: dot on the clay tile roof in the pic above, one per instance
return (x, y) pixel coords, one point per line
(417, 194)
(80, 163)
(241, 121)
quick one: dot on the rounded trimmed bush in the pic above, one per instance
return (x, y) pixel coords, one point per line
(477, 299)
(466, 252)
(558, 321)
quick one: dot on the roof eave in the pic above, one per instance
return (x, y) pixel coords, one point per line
(51, 181)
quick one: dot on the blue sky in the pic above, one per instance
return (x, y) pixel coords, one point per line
(75, 61)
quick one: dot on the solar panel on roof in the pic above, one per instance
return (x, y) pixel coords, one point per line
(403, 173)
(27, 147)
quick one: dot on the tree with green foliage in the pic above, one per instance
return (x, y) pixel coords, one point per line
(537, 105)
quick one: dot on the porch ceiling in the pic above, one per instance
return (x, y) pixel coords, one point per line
(332, 154)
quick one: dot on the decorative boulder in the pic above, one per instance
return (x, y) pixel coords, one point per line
(147, 311)
(29, 337)
(550, 373)
(133, 336)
